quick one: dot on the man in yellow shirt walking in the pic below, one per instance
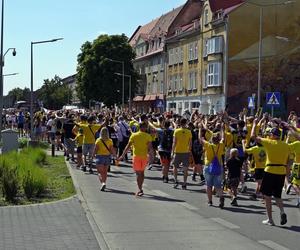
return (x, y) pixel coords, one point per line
(141, 143)
(181, 150)
(277, 153)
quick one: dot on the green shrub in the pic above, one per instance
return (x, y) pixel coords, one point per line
(23, 142)
(10, 181)
(37, 155)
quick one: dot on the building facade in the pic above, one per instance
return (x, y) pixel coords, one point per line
(71, 83)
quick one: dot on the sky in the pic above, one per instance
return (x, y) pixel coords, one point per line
(77, 21)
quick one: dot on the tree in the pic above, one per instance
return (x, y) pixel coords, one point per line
(54, 93)
(15, 95)
(96, 78)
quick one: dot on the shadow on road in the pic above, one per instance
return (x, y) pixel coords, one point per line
(146, 196)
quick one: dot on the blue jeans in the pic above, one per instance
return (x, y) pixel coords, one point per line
(212, 180)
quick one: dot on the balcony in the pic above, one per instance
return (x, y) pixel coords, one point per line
(218, 19)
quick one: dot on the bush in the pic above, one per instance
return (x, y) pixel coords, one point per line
(23, 142)
(10, 181)
(23, 170)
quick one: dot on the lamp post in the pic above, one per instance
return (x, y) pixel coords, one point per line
(129, 96)
(261, 6)
(31, 81)
(123, 78)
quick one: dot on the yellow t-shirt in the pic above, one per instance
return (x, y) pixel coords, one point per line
(79, 139)
(183, 138)
(259, 156)
(89, 131)
(208, 135)
(211, 150)
(228, 140)
(101, 149)
(295, 149)
(140, 141)
(277, 153)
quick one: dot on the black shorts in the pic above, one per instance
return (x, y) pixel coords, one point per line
(21, 125)
(197, 159)
(155, 144)
(79, 150)
(165, 155)
(272, 184)
(259, 173)
(233, 182)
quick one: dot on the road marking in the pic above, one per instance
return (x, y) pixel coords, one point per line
(160, 193)
(187, 205)
(272, 245)
(225, 223)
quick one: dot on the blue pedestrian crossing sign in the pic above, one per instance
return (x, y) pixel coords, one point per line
(273, 98)
(251, 104)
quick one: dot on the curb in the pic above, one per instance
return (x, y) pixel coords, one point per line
(97, 232)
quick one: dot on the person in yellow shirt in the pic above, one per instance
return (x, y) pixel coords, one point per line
(89, 130)
(141, 143)
(103, 151)
(213, 170)
(79, 142)
(277, 153)
(295, 149)
(259, 156)
(181, 150)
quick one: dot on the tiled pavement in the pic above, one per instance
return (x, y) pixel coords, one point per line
(57, 225)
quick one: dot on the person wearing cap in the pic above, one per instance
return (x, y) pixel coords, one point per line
(277, 152)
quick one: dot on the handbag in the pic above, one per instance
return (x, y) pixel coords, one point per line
(105, 146)
(215, 167)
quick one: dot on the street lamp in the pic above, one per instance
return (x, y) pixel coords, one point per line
(262, 4)
(123, 78)
(31, 81)
(12, 74)
(129, 97)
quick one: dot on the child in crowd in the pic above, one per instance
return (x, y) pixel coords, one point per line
(234, 166)
(79, 141)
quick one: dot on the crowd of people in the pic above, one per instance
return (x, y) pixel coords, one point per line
(220, 151)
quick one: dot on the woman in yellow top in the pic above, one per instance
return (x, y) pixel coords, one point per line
(103, 151)
(213, 170)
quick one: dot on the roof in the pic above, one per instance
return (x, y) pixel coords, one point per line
(216, 5)
(164, 22)
(142, 30)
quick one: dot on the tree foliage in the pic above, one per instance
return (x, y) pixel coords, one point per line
(96, 78)
(18, 94)
(54, 93)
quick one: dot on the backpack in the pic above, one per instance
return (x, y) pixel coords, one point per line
(167, 140)
(215, 167)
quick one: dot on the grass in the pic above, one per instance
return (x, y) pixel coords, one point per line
(58, 181)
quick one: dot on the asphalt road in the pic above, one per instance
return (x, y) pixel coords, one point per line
(245, 219)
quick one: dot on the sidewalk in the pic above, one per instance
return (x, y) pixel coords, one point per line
(155, 221)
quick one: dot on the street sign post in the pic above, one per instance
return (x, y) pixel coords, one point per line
(273, 100)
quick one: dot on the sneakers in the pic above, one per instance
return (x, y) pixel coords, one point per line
(103, 187)
(209, 203)
(222, 201)
(288, 189)
(84, 168)
(268, 222)
(283, 219)
(234, 202)
(91, 171)
(165, 179)
(184, 186)
(139, 193)
(176, 184)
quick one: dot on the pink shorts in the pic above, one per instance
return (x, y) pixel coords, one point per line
(139, 163)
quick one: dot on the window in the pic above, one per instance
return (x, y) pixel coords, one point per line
(161, 87)
(180, 82)
(194, 86)
(171, 57)
(195, 105)
(214, 74)
(175, 78)
(196, 50)
(161, 63)
(191, 52)
(191, 77)
(205, 80)
(170, 84)
(206, 16)
(181, 55)
(214, 45)
(176, 58)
